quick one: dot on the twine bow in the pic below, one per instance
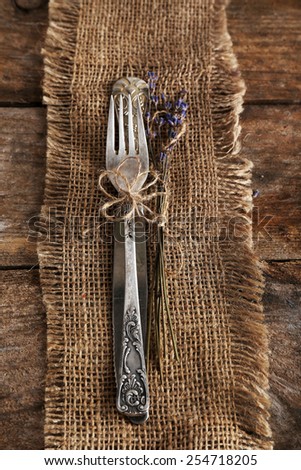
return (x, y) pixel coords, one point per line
(129, 201)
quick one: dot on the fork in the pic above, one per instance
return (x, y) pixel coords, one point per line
(131, 165)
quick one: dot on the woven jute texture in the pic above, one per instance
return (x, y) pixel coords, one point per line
(216, 396)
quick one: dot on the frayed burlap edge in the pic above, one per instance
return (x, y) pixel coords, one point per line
(243, 278)
(234, 176)
(58, 52)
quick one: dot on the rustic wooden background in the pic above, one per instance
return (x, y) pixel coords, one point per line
(267, 41)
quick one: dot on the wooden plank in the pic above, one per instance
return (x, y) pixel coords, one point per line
(23, 360)
(22, 32)
(282, 303)
(23, 356)
(266, 36)
(22, 159)
(267, 41)
(272, 140)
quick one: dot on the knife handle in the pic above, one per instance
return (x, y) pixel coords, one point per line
(131, 377)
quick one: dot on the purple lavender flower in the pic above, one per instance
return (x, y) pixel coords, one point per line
(172, 133)
(165, 117)
(152, 81)
(152, 76)
(178, 103)
(181, 104)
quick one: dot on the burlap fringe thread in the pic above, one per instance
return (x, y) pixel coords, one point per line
(234, 172)
(243, 273)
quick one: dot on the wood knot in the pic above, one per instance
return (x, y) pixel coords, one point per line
(28, 5)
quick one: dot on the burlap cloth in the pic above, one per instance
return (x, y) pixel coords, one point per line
(215, 397)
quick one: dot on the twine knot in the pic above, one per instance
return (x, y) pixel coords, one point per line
(129, 201)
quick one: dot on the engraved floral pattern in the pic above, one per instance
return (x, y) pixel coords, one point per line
(132, 396)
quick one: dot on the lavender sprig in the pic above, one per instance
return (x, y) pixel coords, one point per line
(165, 125)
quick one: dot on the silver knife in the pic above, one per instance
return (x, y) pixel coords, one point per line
(118, 290)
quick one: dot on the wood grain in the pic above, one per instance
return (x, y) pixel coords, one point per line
(23, 360)
(267, 42)
(266, 36)
(271, 139)
(282, 303)
(22, 160)
(22, 33)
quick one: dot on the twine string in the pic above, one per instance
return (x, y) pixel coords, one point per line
(130, 202)
(136, 202)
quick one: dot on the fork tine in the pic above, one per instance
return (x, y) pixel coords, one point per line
(111, 130)
(141, 132)
(131, 129)
(121, 150)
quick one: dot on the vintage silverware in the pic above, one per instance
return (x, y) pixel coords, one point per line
(129, 166)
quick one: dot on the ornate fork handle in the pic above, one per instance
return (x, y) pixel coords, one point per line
(132, 387)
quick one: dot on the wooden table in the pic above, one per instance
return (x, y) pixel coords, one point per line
(267, 41)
